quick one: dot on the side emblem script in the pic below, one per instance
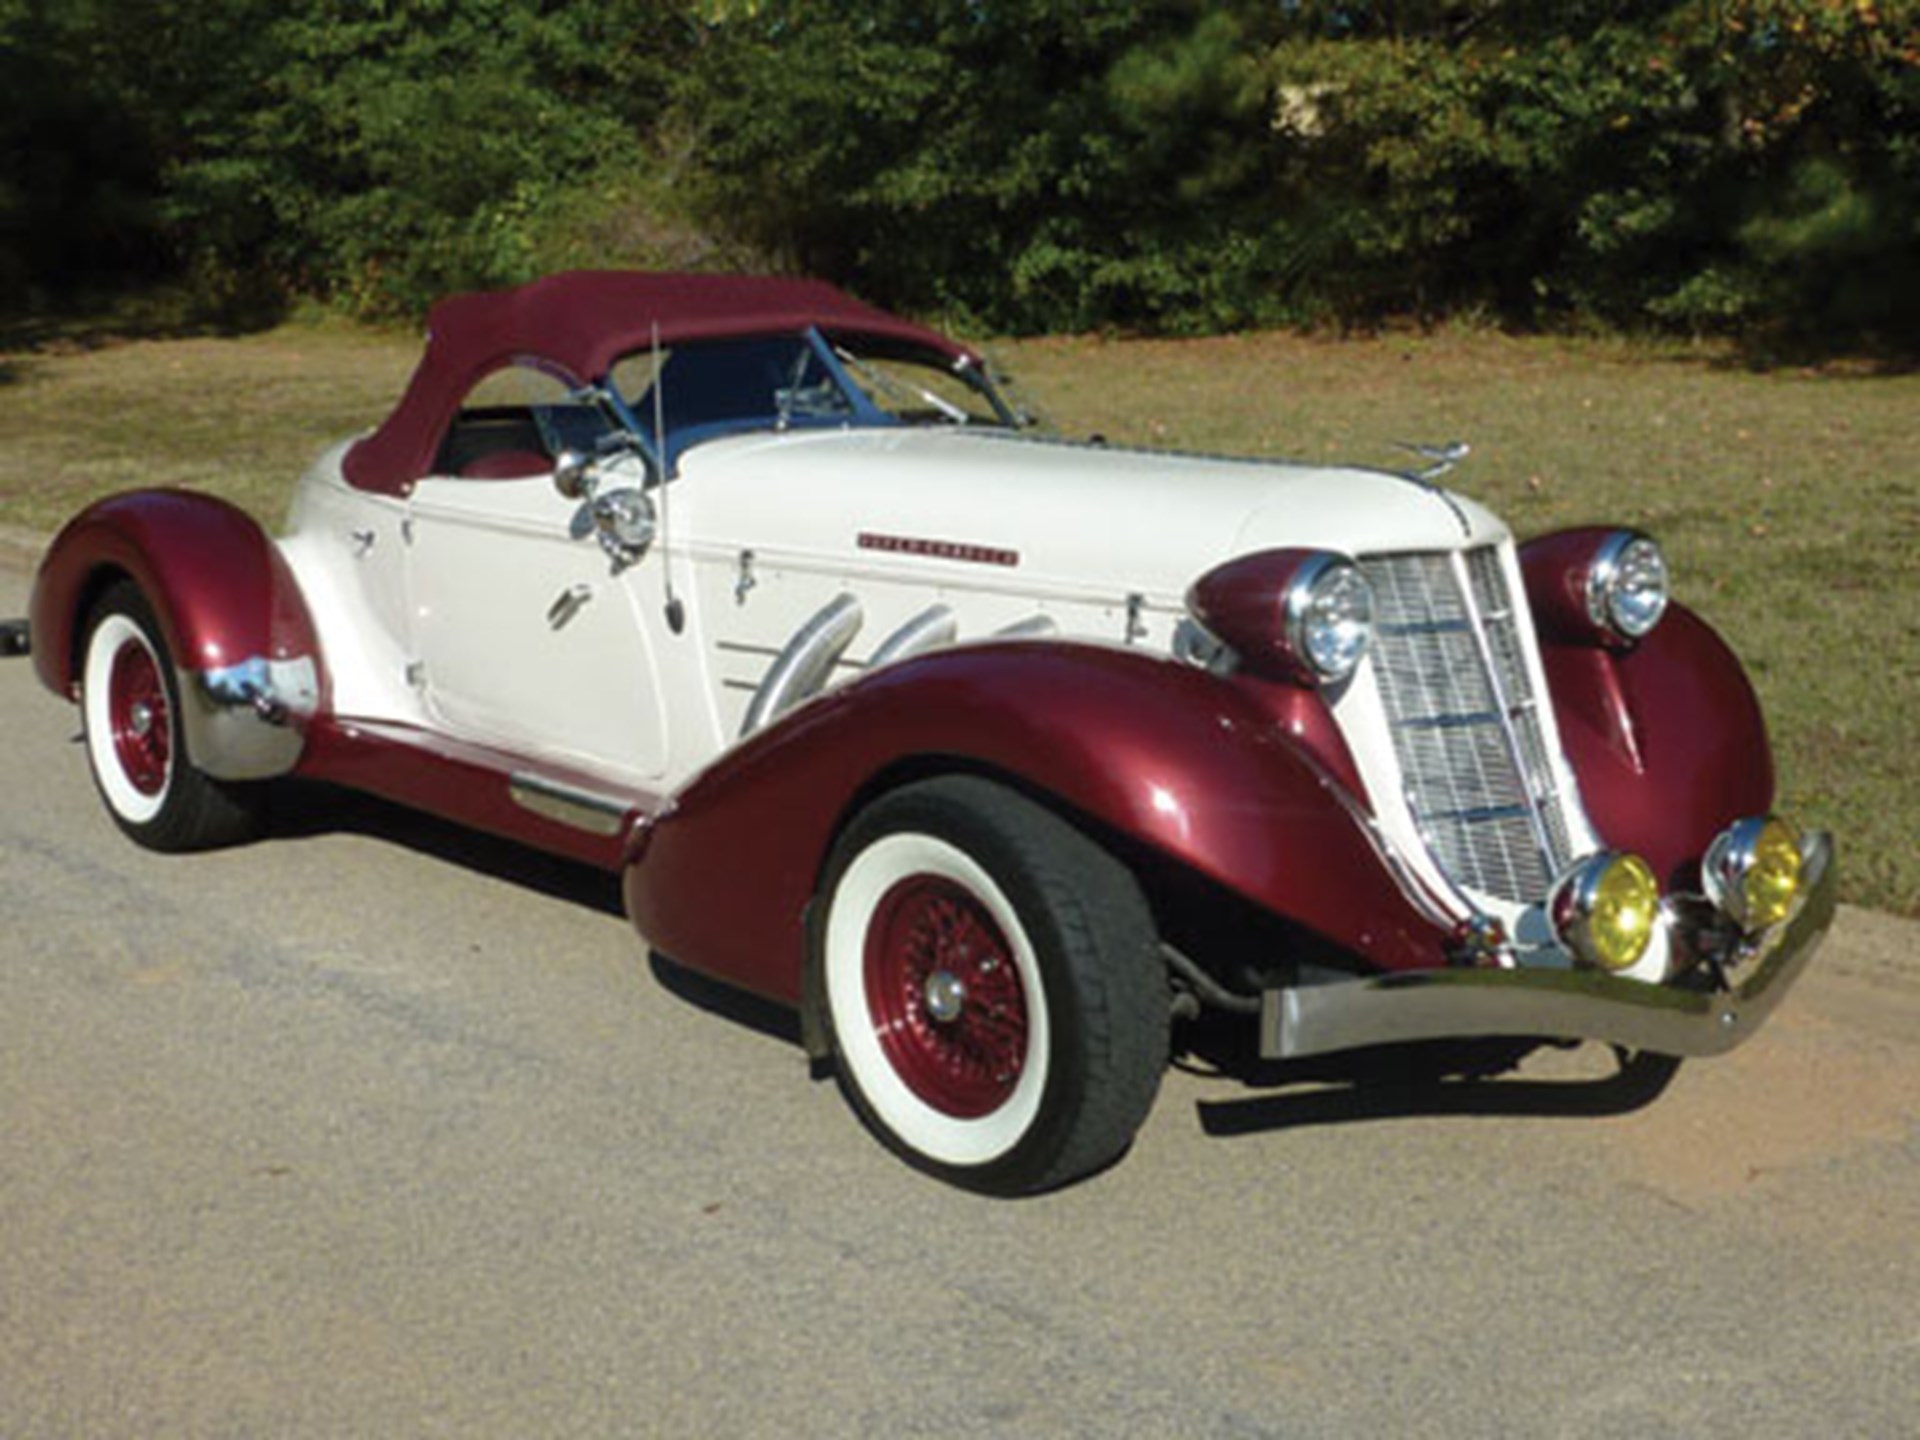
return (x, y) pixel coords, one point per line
(939, 549)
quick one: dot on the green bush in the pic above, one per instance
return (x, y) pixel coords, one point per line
(1748, 166)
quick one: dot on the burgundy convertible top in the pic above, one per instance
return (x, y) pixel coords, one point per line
(580, 323)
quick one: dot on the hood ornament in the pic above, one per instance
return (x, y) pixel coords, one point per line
(1442, 459)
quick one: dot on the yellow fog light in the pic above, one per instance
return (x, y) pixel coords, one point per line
(1752, 872)
(1604, 909)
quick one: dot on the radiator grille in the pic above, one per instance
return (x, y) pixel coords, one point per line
(1466, 723)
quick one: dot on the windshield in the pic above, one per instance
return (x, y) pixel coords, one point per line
(918, 387)
(780, 382)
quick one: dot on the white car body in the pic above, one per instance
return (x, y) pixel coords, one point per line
(441, 620)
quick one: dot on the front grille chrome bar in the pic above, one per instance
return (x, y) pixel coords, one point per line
(1465, 721)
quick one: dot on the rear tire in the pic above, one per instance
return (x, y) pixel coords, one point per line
(136, 746)
(998, 1008)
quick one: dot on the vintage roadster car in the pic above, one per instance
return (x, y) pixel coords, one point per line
(992, 753)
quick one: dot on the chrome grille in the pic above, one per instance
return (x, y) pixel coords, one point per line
(1465, 721)
(1502, 629)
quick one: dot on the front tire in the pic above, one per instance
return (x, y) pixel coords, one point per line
(993, 988)
(130, 709)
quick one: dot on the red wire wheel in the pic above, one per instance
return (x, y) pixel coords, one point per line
(990, 984)
(945, 996)
(137, 745)
(141, 725)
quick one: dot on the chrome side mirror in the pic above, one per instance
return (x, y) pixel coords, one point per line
(573, 474)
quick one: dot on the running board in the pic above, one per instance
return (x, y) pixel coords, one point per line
(517, 796)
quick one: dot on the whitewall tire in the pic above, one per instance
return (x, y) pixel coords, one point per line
(992, 985)
(136, 746)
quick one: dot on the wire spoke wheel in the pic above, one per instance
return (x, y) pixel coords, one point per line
(139, 716)
(130, 708)
(946, 997)
(992, 987)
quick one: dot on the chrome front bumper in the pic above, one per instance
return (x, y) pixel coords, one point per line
(1556, 1004)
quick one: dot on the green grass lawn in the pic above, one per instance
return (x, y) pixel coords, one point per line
(1789, 502)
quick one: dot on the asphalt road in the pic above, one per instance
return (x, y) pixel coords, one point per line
(372, 1129)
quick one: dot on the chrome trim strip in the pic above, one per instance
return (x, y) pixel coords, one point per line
(567, 804)
(1579, 1004)
(1480, 814)
(1442, 910)
(1463, 720)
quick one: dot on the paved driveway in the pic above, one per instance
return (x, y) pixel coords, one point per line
(374, 1129)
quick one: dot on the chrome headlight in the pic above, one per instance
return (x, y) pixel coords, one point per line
(1604, 909)
(1627, 584)
(1752, 872)
(1329, 616)
(1306, 615)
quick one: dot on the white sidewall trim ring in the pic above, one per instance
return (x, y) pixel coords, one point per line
(109, 637)
(940, 1137)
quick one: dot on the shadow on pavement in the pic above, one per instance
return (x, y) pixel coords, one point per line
(303, 809)
(1395, 1082)
(1471, 1077)
(765, 1017)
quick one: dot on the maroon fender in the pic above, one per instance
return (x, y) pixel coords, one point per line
(217, 583)
(1667, 740)
(1246, 785)
(1555, 569)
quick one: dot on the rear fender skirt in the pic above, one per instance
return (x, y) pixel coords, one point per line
(1666, 738)
(227, 604)
(1216, 776)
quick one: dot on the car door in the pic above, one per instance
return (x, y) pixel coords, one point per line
(526, 634)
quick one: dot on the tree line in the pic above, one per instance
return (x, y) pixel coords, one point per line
(1177, 166)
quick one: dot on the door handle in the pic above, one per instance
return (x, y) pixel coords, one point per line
(568, 604)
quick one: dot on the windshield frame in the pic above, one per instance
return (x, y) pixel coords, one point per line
(827, 351)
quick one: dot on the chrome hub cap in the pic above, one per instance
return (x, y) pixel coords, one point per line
(946, 996)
